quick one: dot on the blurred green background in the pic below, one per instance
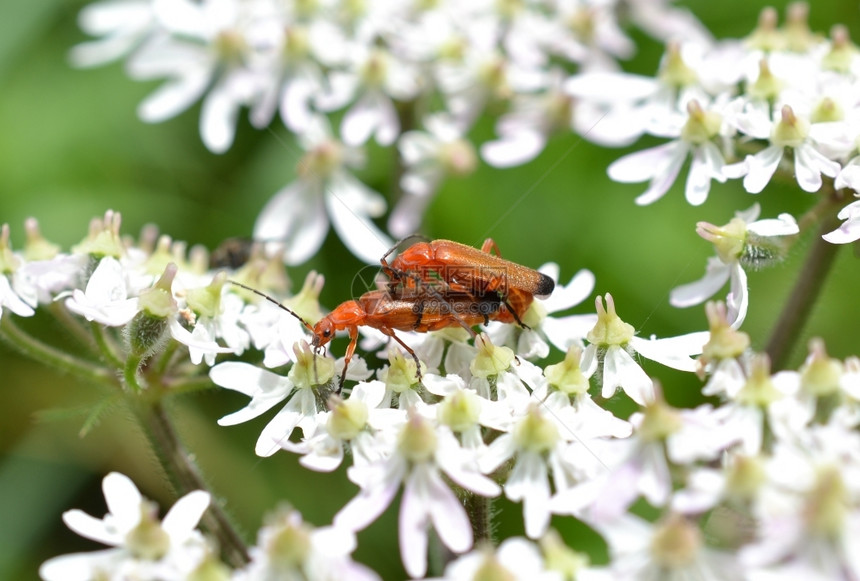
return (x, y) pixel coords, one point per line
(71, 146)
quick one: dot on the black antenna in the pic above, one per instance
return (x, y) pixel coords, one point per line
(307, 325)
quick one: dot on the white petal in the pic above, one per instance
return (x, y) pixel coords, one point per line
(81, 566)
(513, 150)
(218, 120)
(93, 528)
(602, 86)
(123, 499)
(173, 97)
(849, 231)
(737, 300)
(413, 522)
(646, 164)
(784, 225)
(183, 517)
(349, 207)
(664, 180)
(295, 219)
(694, 293)
(703, 169)
(449, 519)
(761, 168)
(577, 290)
(620, 370)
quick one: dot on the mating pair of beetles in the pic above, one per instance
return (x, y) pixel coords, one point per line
(434, 285)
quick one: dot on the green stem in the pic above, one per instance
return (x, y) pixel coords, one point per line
(36, 350)
(105, 348)
(129, 373)
(186, 477)
(73, 325)
(804, 295)
(479, 509)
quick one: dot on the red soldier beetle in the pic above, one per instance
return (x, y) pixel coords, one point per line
(422, 311)
(464, 269)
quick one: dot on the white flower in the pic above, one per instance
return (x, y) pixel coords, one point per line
(105, 299)
(373, 77)
(849, 230)
(662, 164)
(785, 130)
(204, 49)
(744, 240)
(144, 548)
(516, 559)
(608, 343)
(563, 331)
(268, 389)
(672, 549)
(809, 517)
(289, 548)
(422, 453)
(524, 131)
(429, 156)
(353, 424)
(123, 24)
(297, 217)
(538, 439)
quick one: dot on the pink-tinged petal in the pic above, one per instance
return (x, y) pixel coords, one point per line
(368, 504)
(737, 300)
(449, 519)
(610, 87)
(93, 528)
(849, 231)
(183, 517)
(13, 302)
(849, 177)
(513, 149)
(761, 168)
(123, 499)
(412, 536)
(620, 370)
(295, 220)
(695, 293)
(646, 164)
(81, 566)
(663, 181)
(349, 206)
(655, 483)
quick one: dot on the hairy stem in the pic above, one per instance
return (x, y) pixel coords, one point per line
(36, 350)
(804, 295)
(105, 348)
(479, 509)
(186, 477)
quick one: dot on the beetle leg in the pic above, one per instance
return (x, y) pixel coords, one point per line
(408, 349)
(350, 349)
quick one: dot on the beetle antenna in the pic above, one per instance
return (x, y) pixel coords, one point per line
(307, 325)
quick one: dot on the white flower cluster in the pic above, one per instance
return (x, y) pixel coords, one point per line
(780, 89)
(411, 73)
(779, 451)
